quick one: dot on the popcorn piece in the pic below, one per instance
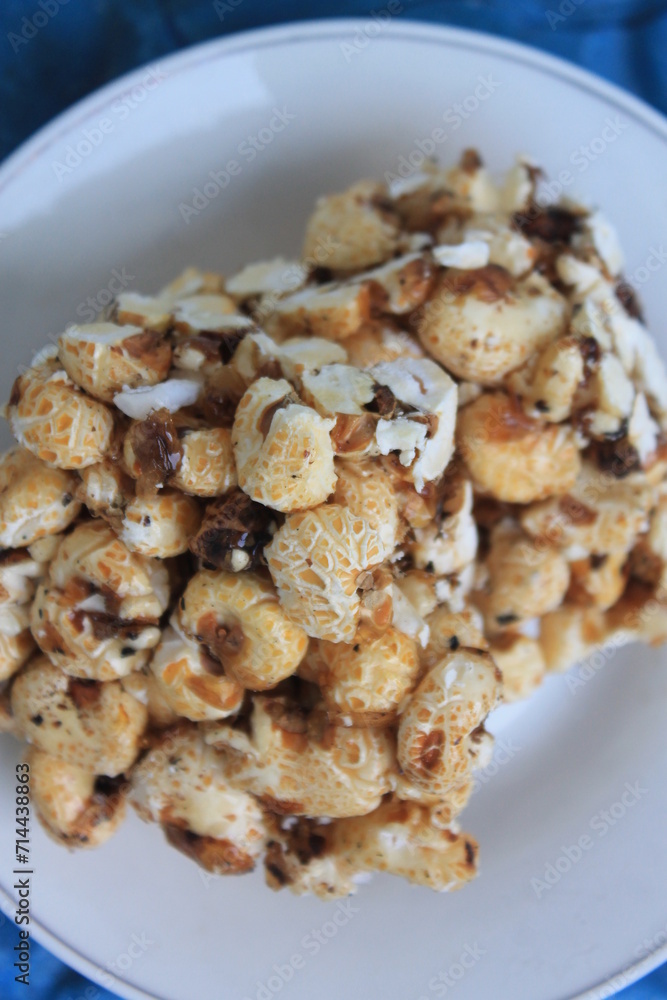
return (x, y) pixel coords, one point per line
(365, 684)
(506, 247)
(160, 526)
(436, 732)
(104, 488)
(513, 457)
(191, 682)
(102, 358)
(598, 514)
(400, 838)
(207, 313)
(380, 341)
(317, 560)
(549, 389)
(451, 630)
(356, 227)
(481, 324)
(150, 313)
(207, 466)
(331, 311)
(92, 726)
(366, 490)
(525, 580)
(35, 500)
(429, 434)
(96, 614)
(180, 784)
(282, 448)
(402, 284)
(521, 663)
(450, 543)
(242, 626)
(55, 421)
(76, 808)
(271, 277)
(325, 770)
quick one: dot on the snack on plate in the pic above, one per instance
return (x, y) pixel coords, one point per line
(277, 543)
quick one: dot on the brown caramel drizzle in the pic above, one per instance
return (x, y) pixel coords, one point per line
(232, 522)
(157, 448)
(489, 284)
(220, 856)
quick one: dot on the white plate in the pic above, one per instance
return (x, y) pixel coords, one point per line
(361, 96)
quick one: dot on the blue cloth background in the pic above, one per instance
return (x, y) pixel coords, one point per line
(89, 42)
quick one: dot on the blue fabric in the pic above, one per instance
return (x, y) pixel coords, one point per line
(84, 43)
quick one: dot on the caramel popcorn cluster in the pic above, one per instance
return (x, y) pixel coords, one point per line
(275, 544)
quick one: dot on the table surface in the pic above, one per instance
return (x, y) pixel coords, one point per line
(86, 44)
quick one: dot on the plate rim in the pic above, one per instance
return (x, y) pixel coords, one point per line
(410, 29)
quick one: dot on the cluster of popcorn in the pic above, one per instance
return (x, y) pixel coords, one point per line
(276, 544)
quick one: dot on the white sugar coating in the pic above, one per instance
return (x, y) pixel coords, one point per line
(472, 254)
(171, 395)
(101, 333)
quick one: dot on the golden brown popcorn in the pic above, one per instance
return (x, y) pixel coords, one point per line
(448, 542)
(103, 358)
(400, 838)
(436, 742)
(451, 630)
(481, 324)
(96, 614)
(548, 384)
(521, 662)
(54, 420)
(191, 682)
(366, 684)
(94, 726)
(366, 490)
(181, 784)
(283, 451)
(160, 526)
(598, 580)
(513, 457)
(319, 560)
(206, 468)
(35, 500)
(238, 620)
(525, 580)
(300, 764)
(105, 489)
(76, 808)
(333, 311)
(358, 228)
(381, 340)
(599, 513)
(299, 857)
